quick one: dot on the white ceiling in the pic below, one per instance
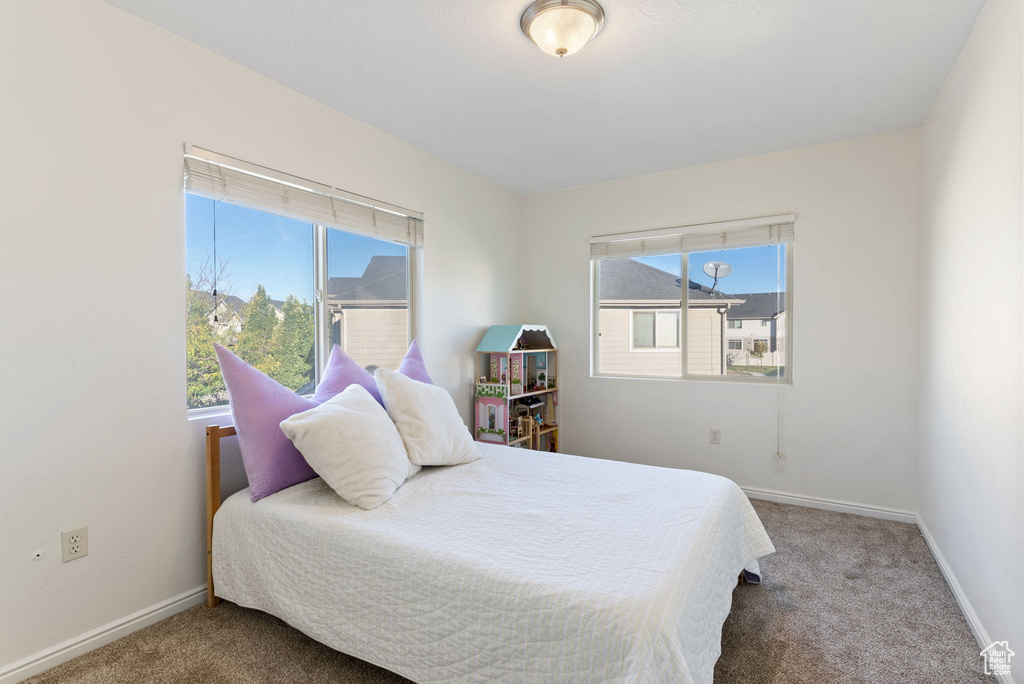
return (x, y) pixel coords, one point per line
(666, 84)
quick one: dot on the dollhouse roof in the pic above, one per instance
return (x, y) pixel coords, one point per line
(503, 338)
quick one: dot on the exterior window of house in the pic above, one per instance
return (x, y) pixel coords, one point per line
(656, 329)
(734, 271)
(279, 291)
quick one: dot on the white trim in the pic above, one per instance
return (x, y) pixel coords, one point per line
(981, 635)
(977, 629)
(321, 320)
(831, 505)
(72, 648)
(717, 226)
(207, 412)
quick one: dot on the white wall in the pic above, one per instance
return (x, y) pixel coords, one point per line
(849, 429)
(971, 484)
(96, 106)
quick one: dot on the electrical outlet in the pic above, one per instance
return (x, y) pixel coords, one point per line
(74, 543)
(716, 436)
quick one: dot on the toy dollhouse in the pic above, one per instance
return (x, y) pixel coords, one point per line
(517, 390)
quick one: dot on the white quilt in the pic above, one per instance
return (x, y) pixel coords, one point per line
(520, 567)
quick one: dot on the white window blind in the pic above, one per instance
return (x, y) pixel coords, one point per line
(225, 178)
(769, 230)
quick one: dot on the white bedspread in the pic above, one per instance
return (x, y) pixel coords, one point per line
(519, 567)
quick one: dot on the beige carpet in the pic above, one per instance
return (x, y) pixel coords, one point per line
(846, 599)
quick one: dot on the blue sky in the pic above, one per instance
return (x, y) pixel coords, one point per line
(277, 252)
(273, 251)
(753, 268)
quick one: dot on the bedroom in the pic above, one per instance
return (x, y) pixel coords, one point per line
(907, 248)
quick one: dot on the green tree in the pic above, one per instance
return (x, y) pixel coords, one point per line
(204, 384)
(256, 339)
(293, 345)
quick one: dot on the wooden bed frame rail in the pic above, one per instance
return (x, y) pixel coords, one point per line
(214, 433)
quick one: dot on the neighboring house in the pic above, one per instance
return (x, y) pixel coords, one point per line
(230, 311)
(639, 322)
(757, 326)
(370, 314)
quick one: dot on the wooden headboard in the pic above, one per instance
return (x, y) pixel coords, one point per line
(214, 433)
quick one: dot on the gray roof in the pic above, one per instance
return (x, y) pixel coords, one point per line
(758, 305)
(384, 279)
(230, 302)
(629, 280)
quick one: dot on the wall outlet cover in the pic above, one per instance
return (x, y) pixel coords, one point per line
(74, 543)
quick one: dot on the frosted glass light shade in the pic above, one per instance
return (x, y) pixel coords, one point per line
(562, 28)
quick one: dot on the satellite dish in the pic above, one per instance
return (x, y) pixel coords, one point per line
(716, 270)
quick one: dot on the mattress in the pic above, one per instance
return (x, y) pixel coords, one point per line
(520, 567)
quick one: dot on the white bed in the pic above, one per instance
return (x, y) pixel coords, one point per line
(520, 567)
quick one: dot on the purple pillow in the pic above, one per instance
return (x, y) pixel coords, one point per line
(413, 367)
(259, 404)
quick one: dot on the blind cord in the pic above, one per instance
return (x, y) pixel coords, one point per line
(216, 297)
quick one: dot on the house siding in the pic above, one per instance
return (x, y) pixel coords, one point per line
(374, 337)
(616, 355)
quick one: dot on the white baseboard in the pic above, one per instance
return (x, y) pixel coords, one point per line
(981, 635)
(832, 505)
(51, 657)
(55, 655)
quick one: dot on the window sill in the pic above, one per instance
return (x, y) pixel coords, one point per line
(209, 412)
(733, 379)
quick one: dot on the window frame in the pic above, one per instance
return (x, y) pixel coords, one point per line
(729, 342)
(686, 375)
(321, 330)
(655, 348)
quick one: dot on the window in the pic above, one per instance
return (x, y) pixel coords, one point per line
(639, 296)
(279, 290)
(656, 329)
(368, 298)
(261, 267)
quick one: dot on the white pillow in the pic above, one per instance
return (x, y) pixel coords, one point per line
(352, 444)
(426, 416)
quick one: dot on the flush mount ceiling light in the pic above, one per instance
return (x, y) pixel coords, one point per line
(562, 27)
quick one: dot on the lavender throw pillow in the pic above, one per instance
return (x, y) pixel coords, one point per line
(413, 367)
(259, 404)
